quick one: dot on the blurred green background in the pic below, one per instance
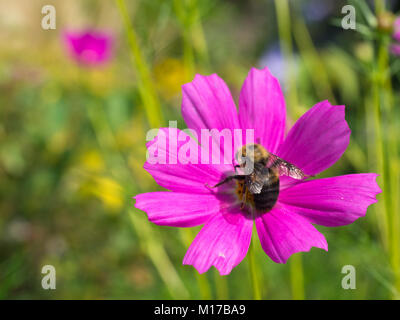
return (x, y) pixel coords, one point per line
(72, 143)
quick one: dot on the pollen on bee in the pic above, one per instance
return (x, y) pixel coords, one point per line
(245, 197)
(240, 189)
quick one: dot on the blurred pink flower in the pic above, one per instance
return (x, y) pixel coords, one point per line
(395, 46)
(395, 49)
(316, 141)
(88, 47)
(396, 29)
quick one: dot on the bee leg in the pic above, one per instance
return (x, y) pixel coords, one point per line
(235, 167)
(227, 179)
(245, 198)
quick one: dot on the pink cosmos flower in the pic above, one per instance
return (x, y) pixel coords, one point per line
(316, 141)
(89, 48)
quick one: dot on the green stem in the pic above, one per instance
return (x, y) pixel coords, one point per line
(158, 256)
(380, 156)
(384, 102)
(370, 138)
(181, 12)
(192, 33)
(312, 60)
(202, 281)
(285, 36)
(297, 277)
(379, 6)
(254, 273)
(394, 169)
(188, 54)
(221, 285)
(392, 197)
(145, 84)
(199, 41)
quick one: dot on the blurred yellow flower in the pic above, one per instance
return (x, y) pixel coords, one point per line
(92, 161)
(170, 74)
(109, 192)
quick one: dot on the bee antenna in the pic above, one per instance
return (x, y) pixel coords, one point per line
(309, 176)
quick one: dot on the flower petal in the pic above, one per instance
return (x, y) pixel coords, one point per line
(396, 31)
(318, 139)
(335, 201)
(207, 104)
(283, 233)
(262, 108)
(165, 163)
(89, 47)
(222, 242)
(176, 209)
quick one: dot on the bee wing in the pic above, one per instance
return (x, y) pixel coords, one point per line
(285, 168)
(254, 183)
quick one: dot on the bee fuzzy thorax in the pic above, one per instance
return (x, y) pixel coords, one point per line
(255, 153)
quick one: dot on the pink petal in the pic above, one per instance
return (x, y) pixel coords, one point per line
(332, 202)
(173, 174)
(283, 233)
(89, 47)
(318, 139)
(262, 108)
(222, 242)
(176, 209)
(207, 104)
(396, 31)
(397, 23)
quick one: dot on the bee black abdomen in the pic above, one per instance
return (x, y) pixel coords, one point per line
(265, 201)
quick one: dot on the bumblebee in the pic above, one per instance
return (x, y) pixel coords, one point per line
(258, 187)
